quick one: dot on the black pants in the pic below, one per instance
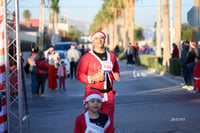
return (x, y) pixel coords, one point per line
(73, 66)
(41, 78)
(130, 59)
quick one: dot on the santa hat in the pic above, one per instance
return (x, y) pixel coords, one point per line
(187, 42)
(98, 33)
(193, 44)
(93, 94)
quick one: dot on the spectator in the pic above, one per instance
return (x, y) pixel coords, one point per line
(31, 61)
(130, 53)
(175, 52)
(191, 63)
(73, 56)
(136, 48)
(196, 75)
(116, 50)
(184, 69)
(52, 71)
(41, 72)
(62, 74)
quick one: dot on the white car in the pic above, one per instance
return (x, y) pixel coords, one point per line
(63, 46)
(63, 57)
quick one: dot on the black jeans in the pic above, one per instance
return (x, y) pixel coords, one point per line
(41, 78)
(73, 66)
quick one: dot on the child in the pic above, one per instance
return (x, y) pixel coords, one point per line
(62, 74)
(93, 121)
(196, 75)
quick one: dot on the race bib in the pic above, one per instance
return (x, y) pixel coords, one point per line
(92, 130)
(107, 66)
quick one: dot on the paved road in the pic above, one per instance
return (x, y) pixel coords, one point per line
(145, 103)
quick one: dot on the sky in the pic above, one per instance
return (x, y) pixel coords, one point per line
(145, 10)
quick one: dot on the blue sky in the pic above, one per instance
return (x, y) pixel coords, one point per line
(145, 11)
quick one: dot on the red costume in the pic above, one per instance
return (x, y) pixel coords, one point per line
(83, 125)
(175, 52)
(196, 74)
(89, 65)
(52, 71)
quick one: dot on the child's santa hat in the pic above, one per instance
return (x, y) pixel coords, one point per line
(93, 94)
(98, 33)
(193, 44)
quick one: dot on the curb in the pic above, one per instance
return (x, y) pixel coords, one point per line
(178, 78)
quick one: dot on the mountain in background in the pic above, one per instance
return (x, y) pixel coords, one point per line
(80, 25)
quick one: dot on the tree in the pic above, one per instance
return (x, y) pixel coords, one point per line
(74, 33)
(55, 11)
(158, 30)
(186, 31)
(177, 23)
(26, 15)
(166, 54)
(139, 35)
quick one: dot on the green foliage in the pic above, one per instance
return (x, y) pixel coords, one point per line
(151, 61)
(139, 34)
(27, 15)
(186, 31)
(122, 56)
(187, 35)
(74, 33)
(155, 62)
(55, 6)
(174, 67)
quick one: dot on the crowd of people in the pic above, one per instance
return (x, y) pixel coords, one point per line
(190, 66)
(97, 69)
(43, 65)
(131, 52)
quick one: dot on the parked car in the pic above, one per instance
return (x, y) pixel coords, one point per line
(63, 57)
(63, 46)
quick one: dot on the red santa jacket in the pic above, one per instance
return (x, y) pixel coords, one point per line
(41, 66)
(81, 125)
(90, 65)
(175, 52)
(196, 72)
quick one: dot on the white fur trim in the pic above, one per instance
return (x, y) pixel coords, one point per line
(96, 96)
(97, 34)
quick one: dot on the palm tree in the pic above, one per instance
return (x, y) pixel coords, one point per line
(196, 2)
(131, 18)
(177, 22)
(166, 54)
(158, 31)
(41, 24)
(26, 15)
(55, 11)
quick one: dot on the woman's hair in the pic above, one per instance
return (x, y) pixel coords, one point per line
(40, 54)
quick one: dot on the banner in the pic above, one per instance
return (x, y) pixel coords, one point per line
(3, 114)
